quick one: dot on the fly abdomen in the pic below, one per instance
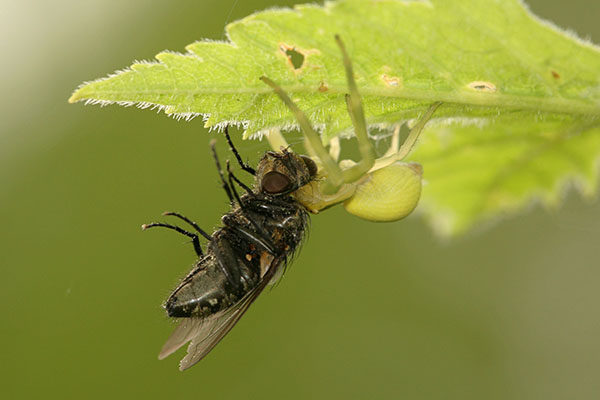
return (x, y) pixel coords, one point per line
(219, 281)
(200, 295)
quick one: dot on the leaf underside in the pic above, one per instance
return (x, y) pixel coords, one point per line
(521, 112)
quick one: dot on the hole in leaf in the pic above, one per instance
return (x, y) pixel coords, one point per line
(295, 57)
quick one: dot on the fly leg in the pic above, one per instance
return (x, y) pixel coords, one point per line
(243, 165)
(232, 178)
(195, 239)
(189, 221)
(224, 183)
(255, 236)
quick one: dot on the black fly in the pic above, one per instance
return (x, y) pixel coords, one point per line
(260, 233)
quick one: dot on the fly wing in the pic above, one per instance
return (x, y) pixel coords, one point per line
(201, 345)
(187, 329)
(205, 333)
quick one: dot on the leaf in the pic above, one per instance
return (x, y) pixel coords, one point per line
(521, 109)
(479, 172)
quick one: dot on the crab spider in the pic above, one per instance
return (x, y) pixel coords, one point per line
(381, 189)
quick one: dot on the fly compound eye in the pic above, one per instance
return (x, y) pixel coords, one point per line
(275, 183)
(311, 165)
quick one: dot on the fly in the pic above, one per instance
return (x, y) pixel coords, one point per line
(258, 237)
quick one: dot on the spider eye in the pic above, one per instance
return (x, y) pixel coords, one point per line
(275, 182)
(310, 164)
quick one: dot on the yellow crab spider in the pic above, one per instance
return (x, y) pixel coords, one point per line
(381, 189)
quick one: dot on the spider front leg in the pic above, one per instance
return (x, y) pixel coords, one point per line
(357, 114)
(334, 174)
(394, 153)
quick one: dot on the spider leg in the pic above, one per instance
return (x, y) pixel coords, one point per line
(416, 130)
(334, 173)
(357, 114)
(396, 154)
(276, 139)
(395, 143)
(335, 148)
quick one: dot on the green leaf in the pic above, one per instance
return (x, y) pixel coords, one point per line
(521, 109)
(478, 172)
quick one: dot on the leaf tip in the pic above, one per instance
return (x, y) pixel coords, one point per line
(75, 97)
(80, 93)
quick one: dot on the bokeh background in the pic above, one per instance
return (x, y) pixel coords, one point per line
(367, 310)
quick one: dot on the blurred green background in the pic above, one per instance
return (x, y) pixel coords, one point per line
(367, 310)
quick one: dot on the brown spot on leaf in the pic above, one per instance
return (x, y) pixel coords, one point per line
(323, 87)
(389, 77)
(555, 74)
(391, 80)
(482, 86)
